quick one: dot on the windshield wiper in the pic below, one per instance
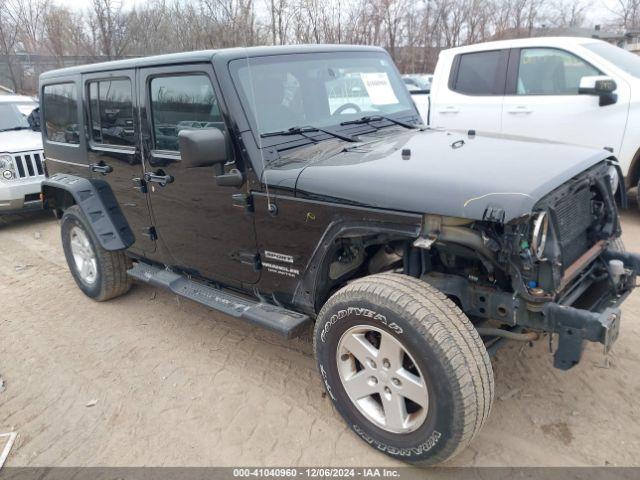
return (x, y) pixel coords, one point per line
(308, 129)
(377, 118)
(14, 128)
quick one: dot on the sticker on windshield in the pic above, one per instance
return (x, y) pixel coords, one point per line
(379, 88)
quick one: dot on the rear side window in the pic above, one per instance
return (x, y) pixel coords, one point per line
(61, 113)
(548, 71)
(111, 111)
(182, 102)
(478, 73)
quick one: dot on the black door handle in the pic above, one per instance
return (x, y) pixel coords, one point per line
(159, 178)
(101, 168)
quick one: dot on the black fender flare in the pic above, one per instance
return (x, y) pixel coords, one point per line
(306, 293)
(98, 203)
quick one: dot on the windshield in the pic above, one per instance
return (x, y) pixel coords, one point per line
(621, 58)
(319, 90)
(14, 115)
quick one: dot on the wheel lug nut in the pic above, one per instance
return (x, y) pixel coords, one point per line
(387, 390)
(373, 381)
(386, 363)
(371, 363)
(396, 382)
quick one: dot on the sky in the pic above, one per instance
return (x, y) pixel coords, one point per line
(599, 12)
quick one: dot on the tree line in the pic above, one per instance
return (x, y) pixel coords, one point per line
(413, 31)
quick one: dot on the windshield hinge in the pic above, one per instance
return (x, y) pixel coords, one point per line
(269, 155)
(243, 200)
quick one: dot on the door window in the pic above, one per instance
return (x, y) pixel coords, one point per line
(61, 113)
(111, 111)
(548, 71)
(480, 73)
(182, 102)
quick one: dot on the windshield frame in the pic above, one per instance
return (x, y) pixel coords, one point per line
(607, 47)
(294, 140)
(17, 111)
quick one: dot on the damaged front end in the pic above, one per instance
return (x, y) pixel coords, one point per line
(562, 269)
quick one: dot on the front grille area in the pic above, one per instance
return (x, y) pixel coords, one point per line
(573, 217)
(28, 164)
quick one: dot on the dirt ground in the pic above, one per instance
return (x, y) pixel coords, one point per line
(148, 379)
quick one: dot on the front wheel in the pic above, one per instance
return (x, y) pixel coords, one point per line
(404, 367)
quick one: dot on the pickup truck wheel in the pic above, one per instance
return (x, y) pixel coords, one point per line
(404, 367)
(99, 273)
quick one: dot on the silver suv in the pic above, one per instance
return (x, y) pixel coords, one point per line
(21, 167)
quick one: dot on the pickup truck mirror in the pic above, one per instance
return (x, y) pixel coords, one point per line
(600, 86)
(202, 147)
(34, 119)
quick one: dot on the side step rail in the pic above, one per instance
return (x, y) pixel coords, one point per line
(286, 322)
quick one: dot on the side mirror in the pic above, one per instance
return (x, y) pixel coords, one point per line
(600, 86)
(202, 147)
(34, 119)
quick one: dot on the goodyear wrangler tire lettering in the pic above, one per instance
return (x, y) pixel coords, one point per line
(441, 354)
(361, 312)
(404, 452)
(323, 374)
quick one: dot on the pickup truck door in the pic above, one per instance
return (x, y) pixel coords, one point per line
(542, 100)
(198, 227)
(469, 91)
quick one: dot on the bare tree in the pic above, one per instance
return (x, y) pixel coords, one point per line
(109, 25)
(9, 31)
(627, 13)
(569, 13)
(30, 16)
(413, 31)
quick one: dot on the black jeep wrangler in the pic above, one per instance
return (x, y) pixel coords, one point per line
(289, 186)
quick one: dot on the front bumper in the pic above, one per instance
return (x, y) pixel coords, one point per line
(20, 196)
(574, 326)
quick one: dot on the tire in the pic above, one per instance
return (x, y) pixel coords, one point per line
(441, 348)
(107, 277)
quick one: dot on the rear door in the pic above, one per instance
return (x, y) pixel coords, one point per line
(472, 97)
(542, 100)
(114, 153)
(195, 219)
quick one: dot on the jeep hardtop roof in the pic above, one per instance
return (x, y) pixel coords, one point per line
(13, 98)
(204, 56)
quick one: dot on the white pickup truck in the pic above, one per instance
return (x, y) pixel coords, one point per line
(573, 90)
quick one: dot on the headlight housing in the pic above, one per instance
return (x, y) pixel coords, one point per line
(7, 168)
(539, 234)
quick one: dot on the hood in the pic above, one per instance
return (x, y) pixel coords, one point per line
(16, 141)
(446, 174)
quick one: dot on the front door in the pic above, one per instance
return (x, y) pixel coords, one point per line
(200, 229)
(114, 148)
(542, 101)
